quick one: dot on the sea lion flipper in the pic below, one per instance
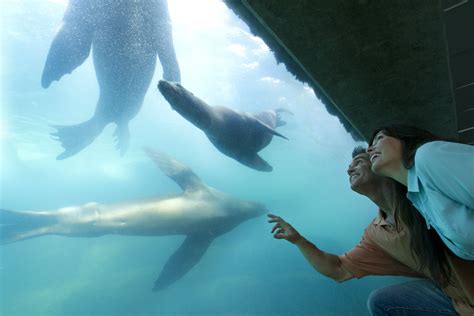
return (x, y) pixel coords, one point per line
(269, 129)
(75, 138)
(184, 259)
(256, 162)
(71, 45)
(16, 226)
(164, 40)
(122, 138)
(176, 171)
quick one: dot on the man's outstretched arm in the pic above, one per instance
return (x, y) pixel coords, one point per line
(325, 263)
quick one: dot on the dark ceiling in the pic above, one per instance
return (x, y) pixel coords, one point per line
(377, 62)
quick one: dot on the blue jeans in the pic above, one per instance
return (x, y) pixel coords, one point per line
(421, 297)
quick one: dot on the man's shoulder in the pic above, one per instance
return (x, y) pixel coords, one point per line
(381, 229)
(383, 220)
(388, 237)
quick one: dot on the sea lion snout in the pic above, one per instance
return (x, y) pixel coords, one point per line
(171, 91)
(166, 86)
(185, 103)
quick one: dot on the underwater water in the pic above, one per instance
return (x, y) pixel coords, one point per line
(243, 272)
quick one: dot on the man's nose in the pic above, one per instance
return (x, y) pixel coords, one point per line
(350, 169)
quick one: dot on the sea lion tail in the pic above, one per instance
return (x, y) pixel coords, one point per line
(16, 226)
(283, 110)
(280, 121)
(75, 138)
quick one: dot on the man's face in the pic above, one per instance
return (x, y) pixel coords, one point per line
(360, 173)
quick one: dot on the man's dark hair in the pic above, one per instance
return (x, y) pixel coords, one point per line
(358, 150)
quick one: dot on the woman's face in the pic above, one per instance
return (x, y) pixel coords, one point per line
(385, 154)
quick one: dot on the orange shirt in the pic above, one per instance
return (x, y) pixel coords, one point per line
(384, 251)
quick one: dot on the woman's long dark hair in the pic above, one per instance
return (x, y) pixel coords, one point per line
(425, 244)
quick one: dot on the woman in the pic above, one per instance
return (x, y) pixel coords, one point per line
(439, 176)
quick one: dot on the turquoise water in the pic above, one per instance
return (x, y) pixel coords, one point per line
(245, 271)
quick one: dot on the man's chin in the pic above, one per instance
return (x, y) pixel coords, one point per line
(356, 187)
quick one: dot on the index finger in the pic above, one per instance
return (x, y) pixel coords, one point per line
(272, 216)
(275, 219)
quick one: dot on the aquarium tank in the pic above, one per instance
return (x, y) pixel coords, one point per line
(143, 144)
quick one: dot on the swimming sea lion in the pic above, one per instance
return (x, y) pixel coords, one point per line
(239, 135)
(200, 212)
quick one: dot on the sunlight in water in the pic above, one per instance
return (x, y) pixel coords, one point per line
(202, 14)
(60, 2)
(3, 134)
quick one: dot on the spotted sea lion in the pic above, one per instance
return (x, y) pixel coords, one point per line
(126, 37)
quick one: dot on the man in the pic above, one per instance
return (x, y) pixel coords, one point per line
(385, 250)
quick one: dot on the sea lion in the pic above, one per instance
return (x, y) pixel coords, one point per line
(201, 213)
(239, 135)
(126, 37)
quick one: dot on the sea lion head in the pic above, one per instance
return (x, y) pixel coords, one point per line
(186, 103)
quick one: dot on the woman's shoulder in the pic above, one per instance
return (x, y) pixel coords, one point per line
(429, 151)
(442, 152)
(441, 147)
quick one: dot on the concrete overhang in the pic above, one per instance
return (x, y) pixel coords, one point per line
(377, 62)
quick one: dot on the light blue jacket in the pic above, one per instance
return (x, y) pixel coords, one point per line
(441, 186)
